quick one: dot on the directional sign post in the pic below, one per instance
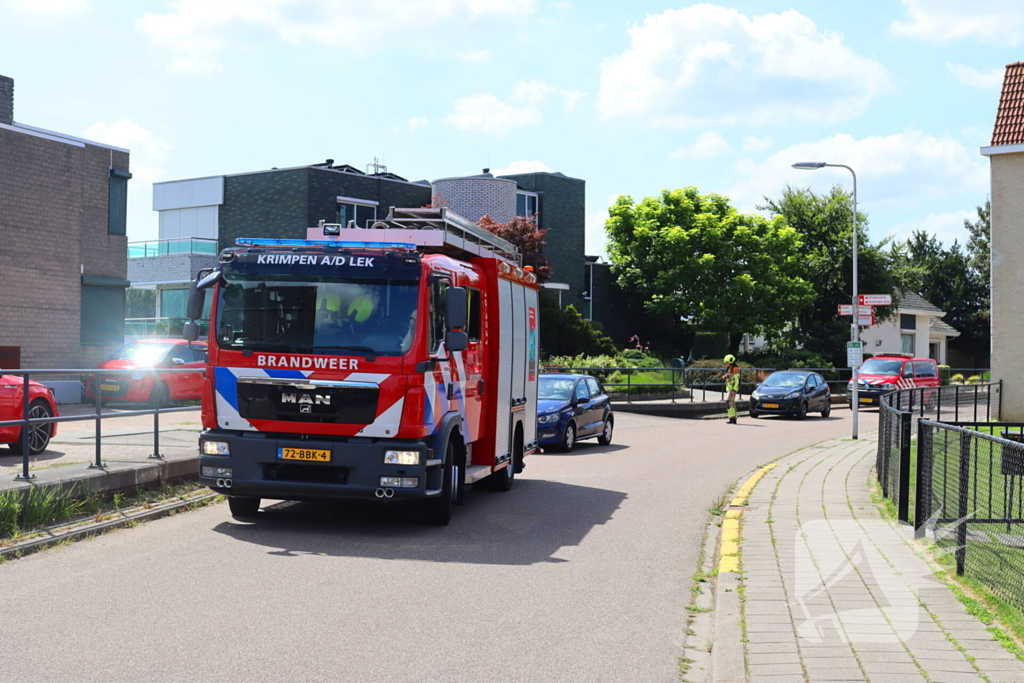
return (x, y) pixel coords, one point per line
(854, 354)
(866, 320)
(875, 300)
(847, 309)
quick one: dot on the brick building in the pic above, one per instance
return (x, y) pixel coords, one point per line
(1006, 158)
(63, 207)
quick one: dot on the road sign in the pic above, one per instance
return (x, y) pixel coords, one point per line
(854, 354)
(865, 320)
(875, 300)
(847, 309)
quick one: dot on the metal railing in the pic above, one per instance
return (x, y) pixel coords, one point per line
(675, 383)
(900, 412)
(26, 422)
(136, 328)
(183, 245)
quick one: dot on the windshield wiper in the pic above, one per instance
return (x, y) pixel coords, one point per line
(370, 354)
(268, 346)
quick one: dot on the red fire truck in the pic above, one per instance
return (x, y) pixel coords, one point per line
(397, 362)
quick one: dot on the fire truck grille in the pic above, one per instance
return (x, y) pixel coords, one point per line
(318, 402)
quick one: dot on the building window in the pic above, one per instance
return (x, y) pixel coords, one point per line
(363, 214)
(908, 322)
(908, 343)
(526, 204)
(102, 316)
(117, 202)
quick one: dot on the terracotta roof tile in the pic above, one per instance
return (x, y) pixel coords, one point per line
(1009, 128)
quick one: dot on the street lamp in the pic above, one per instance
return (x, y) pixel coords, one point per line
(854, 328)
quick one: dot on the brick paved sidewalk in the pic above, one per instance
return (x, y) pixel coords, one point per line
(835, 593)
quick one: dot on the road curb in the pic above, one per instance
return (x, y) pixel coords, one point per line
(727, 660)
(77, 531)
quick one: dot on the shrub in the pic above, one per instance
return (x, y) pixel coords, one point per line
(784, 359)
(975, 379)
(956, 379)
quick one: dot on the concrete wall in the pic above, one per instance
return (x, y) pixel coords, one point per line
(1008, 280)
(53, 221)
(169, 268)
(6, 100)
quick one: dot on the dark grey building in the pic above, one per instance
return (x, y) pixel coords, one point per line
(201, 215)
(63, 203)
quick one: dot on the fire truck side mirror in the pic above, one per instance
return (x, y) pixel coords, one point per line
(456, 341)
(196, 300)
(456, 309)
(190, 331)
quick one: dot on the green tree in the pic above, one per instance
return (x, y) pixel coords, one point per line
(978, 249)
(696, 258)
(564, 332)
(825, 224)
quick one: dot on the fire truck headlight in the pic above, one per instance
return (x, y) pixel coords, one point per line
(391, 482)
(410, 482)
(216, 448)
(216, 472)
(401, 457)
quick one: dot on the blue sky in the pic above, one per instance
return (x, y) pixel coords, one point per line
(633, 97)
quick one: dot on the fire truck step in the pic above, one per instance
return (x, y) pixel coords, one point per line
(477, 472)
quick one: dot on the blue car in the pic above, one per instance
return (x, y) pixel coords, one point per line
(570, 408)
(791, 392)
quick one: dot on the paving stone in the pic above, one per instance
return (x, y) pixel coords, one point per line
(789, 669)
(936, 666)
(836, 674)
(759, 658)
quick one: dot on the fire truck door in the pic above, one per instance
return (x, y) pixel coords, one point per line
(502, 428)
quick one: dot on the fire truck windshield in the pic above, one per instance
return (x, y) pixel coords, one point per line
(372, 316)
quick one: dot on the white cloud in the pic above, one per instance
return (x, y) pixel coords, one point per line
(412, 125)
(563, 5)
(484, 113)
(198, 31)
(991, 79)
(54, 7)
(940, 21)
(523, 167)
(903, 170)
(596, 238)
(709, 144)
(711, 65)
(947, 227)
(474, 56)
(148, 160)
(752, 143)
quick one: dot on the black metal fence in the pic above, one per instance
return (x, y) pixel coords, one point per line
(899, 414)
(694, 384)
(969, 497)
(27, 423)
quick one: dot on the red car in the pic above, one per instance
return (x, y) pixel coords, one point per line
(891, 371)
(41, 404)
(145, 386)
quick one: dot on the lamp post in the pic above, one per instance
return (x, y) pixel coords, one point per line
(855, 327)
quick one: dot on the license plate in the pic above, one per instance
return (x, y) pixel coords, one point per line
(307, 454)
(770, 405)
(110, 387)
(867, 400)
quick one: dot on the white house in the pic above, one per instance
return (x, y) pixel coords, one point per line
(917, 328)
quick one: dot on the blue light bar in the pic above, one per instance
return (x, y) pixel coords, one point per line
(253, 242)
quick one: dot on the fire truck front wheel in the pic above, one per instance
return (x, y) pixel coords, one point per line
(438, 509)
(243, 507)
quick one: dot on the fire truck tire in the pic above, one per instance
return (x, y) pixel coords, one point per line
(503, 479)
(159, 395)
(243, 507)
(438, 510)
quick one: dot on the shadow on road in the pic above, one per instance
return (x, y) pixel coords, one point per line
(9, 458)
(585, 448)
(527, 525)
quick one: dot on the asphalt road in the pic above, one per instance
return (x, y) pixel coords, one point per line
(580, 573)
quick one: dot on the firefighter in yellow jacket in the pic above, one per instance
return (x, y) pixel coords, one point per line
(732, 385)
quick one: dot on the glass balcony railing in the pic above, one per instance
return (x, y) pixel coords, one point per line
(184, 245)
(138, 328)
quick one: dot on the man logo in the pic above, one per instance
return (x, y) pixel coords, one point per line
(306, 401)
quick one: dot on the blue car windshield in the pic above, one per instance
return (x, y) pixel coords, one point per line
(785, 380)
(555, 389)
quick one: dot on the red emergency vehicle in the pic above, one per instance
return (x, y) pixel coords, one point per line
(394, 362)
